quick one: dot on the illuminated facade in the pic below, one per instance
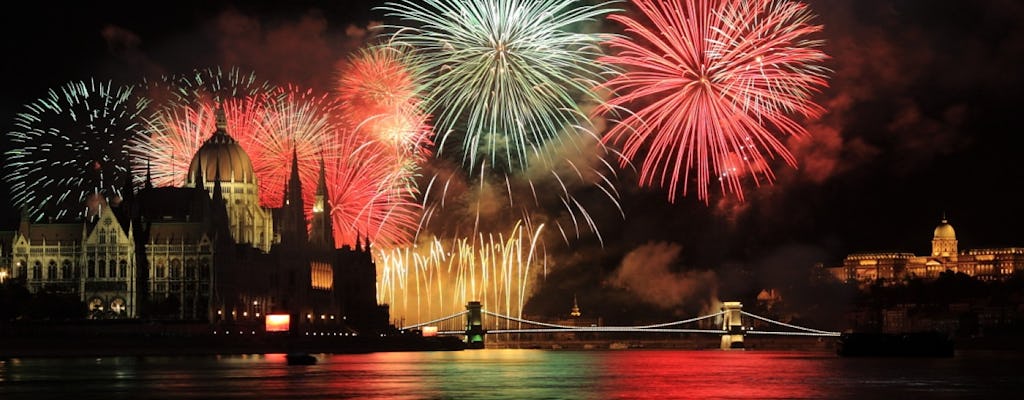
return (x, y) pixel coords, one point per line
(983, 264)
(206, 251)
(221, 159)
(94, 260)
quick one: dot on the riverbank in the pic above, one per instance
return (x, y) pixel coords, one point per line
(701, 342)
(160, 339)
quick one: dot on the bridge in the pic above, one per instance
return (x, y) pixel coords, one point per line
(470, 323)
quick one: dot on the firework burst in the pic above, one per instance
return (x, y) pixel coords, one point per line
(184, 117)
(294, 121)
(713, 83)
(71, 144)
(379, 99)
(503, 77)
(368, 194)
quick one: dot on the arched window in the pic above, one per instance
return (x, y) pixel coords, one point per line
(91, 269)
(65, 270)
(190, 269)
(175, 268)
(37, 271)
(101, 270)
(113, 269)
(204, 268)
(161, 269)
(123, 265)
(22, 269)
(51, 271)
(118, 306)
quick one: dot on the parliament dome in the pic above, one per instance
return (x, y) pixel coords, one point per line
(944, 231)
(223, 151)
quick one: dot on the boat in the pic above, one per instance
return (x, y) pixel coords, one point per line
(910, 344)
(300, 359)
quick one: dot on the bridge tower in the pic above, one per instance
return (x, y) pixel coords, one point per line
(474, 326)
(732, 325)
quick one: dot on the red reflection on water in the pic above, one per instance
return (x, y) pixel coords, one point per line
(711, 374)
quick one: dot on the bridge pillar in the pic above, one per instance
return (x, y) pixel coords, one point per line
(474, 326)
(732, 325)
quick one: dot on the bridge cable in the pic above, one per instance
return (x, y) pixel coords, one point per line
(458, 314)
(787, 325)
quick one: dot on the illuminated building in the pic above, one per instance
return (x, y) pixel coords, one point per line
(206, 251)
(221, 159)
(891, 267)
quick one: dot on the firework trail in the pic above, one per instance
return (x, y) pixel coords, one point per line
(502, 77)
(710, 84)
(71, 144)
(184, 117)
(438, 277)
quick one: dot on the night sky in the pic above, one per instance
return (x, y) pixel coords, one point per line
(923, 119)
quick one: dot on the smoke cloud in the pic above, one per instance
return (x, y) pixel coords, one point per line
(646, 272)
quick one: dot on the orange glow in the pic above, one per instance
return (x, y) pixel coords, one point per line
(278, 322)
(429, 331)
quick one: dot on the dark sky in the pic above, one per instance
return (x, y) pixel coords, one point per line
(923, 116)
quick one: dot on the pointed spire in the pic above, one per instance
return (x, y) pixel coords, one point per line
(217, 193)
(293, 229)
(198, 178)
(321, 228)
(944, 217)
(128, 192)
(222, 120)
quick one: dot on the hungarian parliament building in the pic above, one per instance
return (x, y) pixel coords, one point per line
(890, 267)
(203, 252)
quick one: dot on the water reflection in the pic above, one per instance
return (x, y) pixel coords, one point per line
(515, 374)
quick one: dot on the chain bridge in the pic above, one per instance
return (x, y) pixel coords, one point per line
(471, 324)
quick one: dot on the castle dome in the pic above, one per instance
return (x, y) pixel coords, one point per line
(223, 151)
(945, 231)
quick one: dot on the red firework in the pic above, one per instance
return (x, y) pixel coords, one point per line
(711, 85)
(293, 122)
(367, 194)
(178, 131)
(378, 93)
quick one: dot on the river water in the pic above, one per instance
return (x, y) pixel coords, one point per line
(520, 374)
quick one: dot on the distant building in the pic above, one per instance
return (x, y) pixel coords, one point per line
(207, 251)
(888, 267)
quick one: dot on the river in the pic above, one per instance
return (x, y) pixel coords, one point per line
(520, 374)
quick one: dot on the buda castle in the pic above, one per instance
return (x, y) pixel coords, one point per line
(888, 267)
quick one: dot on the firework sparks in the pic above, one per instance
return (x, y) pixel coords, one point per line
(379, 95)
(367, 192)
(185, 116)
(503, 77)
(438, 277)
(713, 82)
(294, 121)
(71, 144)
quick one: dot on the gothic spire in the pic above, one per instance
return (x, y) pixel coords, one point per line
(322, 230)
